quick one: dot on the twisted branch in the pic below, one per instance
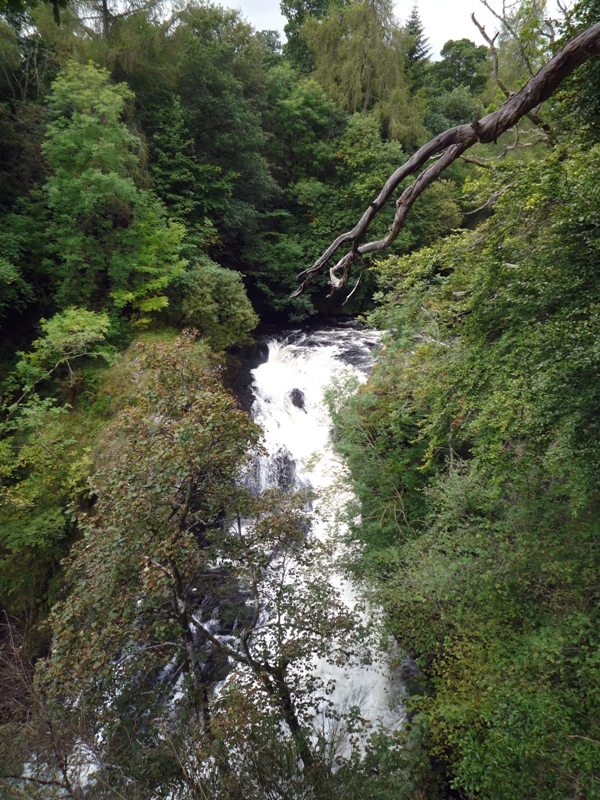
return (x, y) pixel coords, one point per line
(452, 144)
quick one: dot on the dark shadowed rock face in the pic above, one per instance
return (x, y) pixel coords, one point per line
(238, 374)
(297, 398)
(283, 470)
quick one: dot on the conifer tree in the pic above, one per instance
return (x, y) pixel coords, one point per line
(419, 49)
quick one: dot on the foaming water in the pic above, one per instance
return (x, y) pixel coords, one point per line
(289, 406)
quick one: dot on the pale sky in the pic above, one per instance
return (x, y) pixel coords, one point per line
(443, 19)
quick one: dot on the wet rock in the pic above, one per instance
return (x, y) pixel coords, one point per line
(283, 470)
(411, 675)
(297, 398)
(238, 373)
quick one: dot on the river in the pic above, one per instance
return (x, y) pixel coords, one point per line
(288, 390)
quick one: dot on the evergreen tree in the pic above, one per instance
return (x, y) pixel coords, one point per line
(418, 50)
(193, 193)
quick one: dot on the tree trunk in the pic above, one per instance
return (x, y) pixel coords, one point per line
(105, 20)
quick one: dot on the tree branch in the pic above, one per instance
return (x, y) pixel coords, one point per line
(502, 19)
(491, 43)
(452, 143)
(489, 203)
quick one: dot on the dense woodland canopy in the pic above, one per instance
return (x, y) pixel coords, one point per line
(166, 171)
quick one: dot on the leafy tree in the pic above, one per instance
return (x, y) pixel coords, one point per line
(110, 239)
(298, 12)
(361, 55)
(215, 302)
(303, 126)
(463, 63)
(26, 62)
(15, 293)
(271, 41)
(475, 450)
(220, 71)
(452, 108)
(524, 42)
(42, 463)
(578, 99)
(72, 334)
(167, 588)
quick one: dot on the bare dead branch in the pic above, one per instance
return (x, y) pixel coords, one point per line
(532, 115)
(452, 144)
(489, 203)
(356, 285)
(509, 148)
(491, 43)
(503, 20)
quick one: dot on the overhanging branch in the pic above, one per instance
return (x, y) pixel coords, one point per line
(452, 144)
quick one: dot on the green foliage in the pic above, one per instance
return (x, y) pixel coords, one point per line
(223, 132)
(20, 6)
(303, 123)
(74, 333)
(392, 766)
(148, 189)
(168, 592)
(180, 424)
(418, 50)
(191, 191)
(525, 41)
(297, 13)
(333, 195)
(577, 99)
(110, 239)
(474, 449)
(15, 293)
(43, 461)
(21, 162)
(455, 85)
(216, 303)
(42, 469)
(220, 72)
(452, 108)
(361, 54)
(463, 63)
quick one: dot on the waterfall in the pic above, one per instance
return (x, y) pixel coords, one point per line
(289, 405)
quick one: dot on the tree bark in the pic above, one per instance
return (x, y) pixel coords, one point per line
(452, 144)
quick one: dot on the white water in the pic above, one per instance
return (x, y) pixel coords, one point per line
(289, 406)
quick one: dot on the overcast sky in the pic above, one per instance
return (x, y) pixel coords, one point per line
(443, 19)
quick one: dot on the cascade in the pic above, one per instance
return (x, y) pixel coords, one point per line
(289, 405)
